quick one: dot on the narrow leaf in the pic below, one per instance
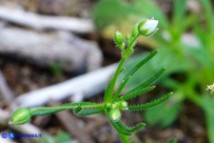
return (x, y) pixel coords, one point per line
(208, 12)
(179, 10)
(86, 112)
(119, 129)
(110, 88)
(133, 70)
(150, 104)
(135, 93)
(121, 86)
(130, 129)
(178, 14)
(147, 82)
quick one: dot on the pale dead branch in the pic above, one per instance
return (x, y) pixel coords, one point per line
(45, 49)
(40, 22)
(83, 86)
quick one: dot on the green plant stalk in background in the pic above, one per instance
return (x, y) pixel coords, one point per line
(113, 103)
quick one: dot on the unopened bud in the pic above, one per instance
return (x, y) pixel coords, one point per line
(147, 27)
(119, 39)
(115, 114)
(123, 105)
(20, 116)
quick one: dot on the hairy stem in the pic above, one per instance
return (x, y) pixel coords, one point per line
(124, 138)
(50, 110)
(110, 87)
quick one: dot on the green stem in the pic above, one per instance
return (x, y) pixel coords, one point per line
(124, 138)
(132, 71)
(40, 111)
(191, 93)
(110, 87)
(130, 48)
(194, 97)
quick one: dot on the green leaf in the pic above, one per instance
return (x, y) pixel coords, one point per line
(120, 130)
(133, 70)
(148, 81)
(150, 104)
(208, 105)
(207, 7)
(179, 10)
(166, 57)
(110, 87)
(133, 129)
(199, 33)
(178, 25)
(141, 63)
(136, 93)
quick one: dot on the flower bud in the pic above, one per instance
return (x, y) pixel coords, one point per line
(123, 105)
(115, 114)
(20, 116)
(119, 39)
(147, 27)
(129, 38)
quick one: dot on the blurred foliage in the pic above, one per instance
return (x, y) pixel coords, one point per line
(46, 138)
(56, 69)
(112, 15)
(60, 137)
(189, 64)
(172, 140)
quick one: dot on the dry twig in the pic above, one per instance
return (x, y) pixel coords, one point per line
(83, 86)
(40, 22)
(44, 49)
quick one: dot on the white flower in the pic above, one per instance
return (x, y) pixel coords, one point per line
(148, 27)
